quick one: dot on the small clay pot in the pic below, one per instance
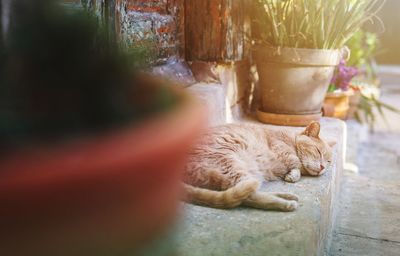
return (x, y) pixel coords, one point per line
(337, 104)
(354, 101)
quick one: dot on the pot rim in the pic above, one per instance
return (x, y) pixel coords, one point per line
(258, 46)
(297, 56)
(83, 157)
(338, 94)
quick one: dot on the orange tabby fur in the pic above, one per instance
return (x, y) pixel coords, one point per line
(229, 164)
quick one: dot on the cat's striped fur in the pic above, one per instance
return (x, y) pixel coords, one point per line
(229, 164)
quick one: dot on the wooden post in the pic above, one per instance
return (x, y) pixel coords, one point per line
(1, 25)
(5, 16)
(216, 30)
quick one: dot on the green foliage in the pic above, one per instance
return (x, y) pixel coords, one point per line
(364, 47)
(367, 110)
(61, 76)
(316, 24)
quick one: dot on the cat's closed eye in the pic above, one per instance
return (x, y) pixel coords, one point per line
(319, 152)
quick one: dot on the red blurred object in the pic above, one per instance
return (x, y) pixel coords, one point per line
(105, 195)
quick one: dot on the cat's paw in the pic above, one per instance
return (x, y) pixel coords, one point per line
(287, 196)
(291, 179)
(293, 176)
(290, 206)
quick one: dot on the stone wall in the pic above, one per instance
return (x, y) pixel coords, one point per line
(158, 24)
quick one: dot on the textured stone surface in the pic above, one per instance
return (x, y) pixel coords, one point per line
(356, 133)
(368, 220)
(159, 6)
(158, 24)
(175, 70)
(253, 232)
(353, 245)
(160, 30)
(370, 201)
(213, 97)
(235, 78)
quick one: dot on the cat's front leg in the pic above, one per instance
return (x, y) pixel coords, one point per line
(293, 176)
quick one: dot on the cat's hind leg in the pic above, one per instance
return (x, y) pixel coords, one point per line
(272, 201)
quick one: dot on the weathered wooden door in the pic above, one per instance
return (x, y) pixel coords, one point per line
(216, 30)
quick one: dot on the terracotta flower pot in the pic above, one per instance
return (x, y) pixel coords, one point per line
(293, 83)
(354, 101)
(103, 195)
(337, 104)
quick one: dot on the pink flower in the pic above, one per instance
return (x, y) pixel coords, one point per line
(343, 76)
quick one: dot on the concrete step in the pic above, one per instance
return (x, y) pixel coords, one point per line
(356, 133)
(212, 95)
(245, 231)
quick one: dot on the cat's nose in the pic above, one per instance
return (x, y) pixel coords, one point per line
(322, 167)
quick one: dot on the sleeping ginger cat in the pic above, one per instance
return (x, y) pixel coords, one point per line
(229, 164)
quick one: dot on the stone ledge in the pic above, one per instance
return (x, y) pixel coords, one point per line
(212, 96)
(245, 231)
(176, 71)
(357, 133)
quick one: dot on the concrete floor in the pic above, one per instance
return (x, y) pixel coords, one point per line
(368, 221)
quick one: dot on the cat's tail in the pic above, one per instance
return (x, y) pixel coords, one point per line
(229, 198)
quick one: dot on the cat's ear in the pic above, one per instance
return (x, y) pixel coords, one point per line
(313, 130)
(331, 143)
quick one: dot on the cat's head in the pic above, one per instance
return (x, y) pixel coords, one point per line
(315, 154)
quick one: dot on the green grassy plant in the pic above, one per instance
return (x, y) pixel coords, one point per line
(364, 46)
(315, 24)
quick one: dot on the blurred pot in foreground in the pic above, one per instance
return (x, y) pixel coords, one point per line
(102, 195)
(91, 151)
